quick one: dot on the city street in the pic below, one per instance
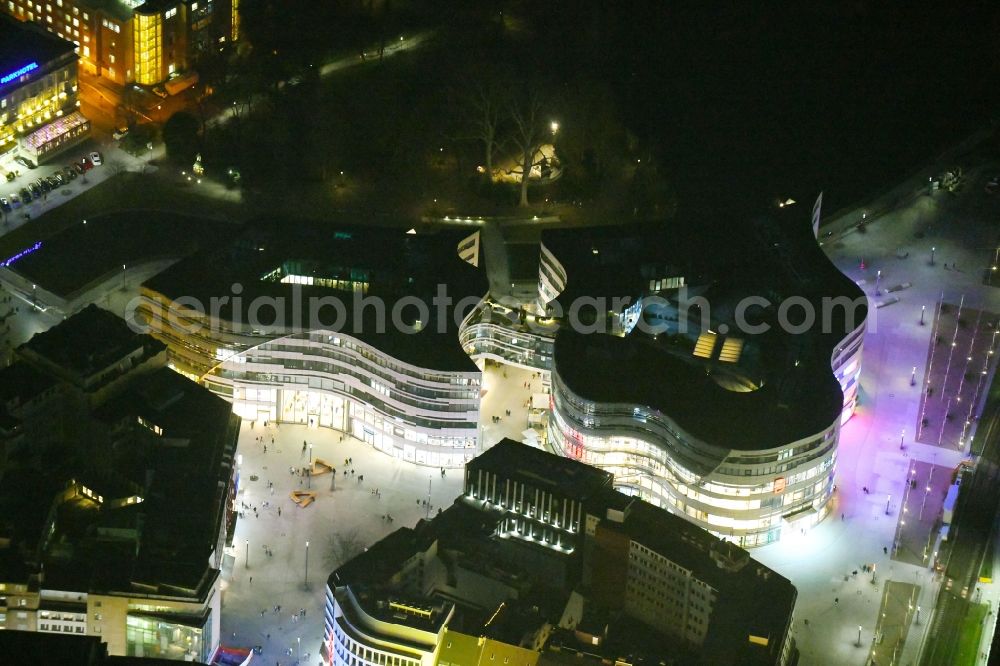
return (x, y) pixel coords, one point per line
(862, 525)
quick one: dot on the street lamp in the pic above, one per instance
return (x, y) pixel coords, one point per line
(310, 454)
(913, 376)
(859, 635)
(933, 250)
(918, 614)
(554, 126)
(305, 578)
(902, 435)
(923, 308)
(878, 278)
(888, 498)
(123, 277)
(246, 560)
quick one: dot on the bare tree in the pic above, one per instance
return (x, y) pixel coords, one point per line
(527, 115)
(342, 547)
(483, 102)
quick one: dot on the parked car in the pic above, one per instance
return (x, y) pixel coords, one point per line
(5, 205)
(78, 168)
(95, 158)
(86, 164)
(25, 195)
(15, 200)
(56, 179)
(119, 133)
(25, 162)
(69, 172)
(160, 91)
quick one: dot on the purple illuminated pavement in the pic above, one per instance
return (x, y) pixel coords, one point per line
(898, 244)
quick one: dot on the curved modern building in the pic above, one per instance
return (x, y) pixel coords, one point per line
(706, 389)
(341, 330)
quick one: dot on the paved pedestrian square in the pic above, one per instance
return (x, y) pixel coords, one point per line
(266, 567)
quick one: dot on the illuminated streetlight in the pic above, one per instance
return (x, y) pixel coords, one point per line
(554, 126)
(305, 577)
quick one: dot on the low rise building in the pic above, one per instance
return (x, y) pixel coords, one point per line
(116, 494)
(541, 561)
(348, 329)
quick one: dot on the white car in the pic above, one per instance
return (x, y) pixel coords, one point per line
(95, 158)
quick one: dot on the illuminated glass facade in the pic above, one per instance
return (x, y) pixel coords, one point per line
(150, 636)
(332, 380)
(148, 45)
(746, 496)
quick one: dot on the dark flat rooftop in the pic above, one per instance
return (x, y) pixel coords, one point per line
(23, 43)
(89, 341)
(634, 371)
(738, 609)
(535, 467)
(395, 265)
(771, 258)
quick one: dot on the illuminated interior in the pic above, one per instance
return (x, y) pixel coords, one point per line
(148, 44)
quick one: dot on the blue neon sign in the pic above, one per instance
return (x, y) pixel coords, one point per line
(23, 253)
(7, 78)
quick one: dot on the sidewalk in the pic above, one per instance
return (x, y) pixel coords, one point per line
(344, 506)
(862, 526)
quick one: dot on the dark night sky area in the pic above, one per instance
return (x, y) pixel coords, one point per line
(746, 101)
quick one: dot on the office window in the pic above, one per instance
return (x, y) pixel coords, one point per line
(76, 23)
(86, 51)
(194, 6)
(170, 13)
(111, 58)
(86, 16)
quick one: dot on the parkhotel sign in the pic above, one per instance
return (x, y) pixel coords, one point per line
(7, 78)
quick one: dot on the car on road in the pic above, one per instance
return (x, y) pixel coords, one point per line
(119, 133)
(95, 158)
(25, 162)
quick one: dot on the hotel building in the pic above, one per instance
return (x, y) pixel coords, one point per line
(541, 560)
(39, 114)
(118, 486)
(132, 40)
(359, 344)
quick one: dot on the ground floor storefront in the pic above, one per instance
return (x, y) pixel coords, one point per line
(324, 409)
